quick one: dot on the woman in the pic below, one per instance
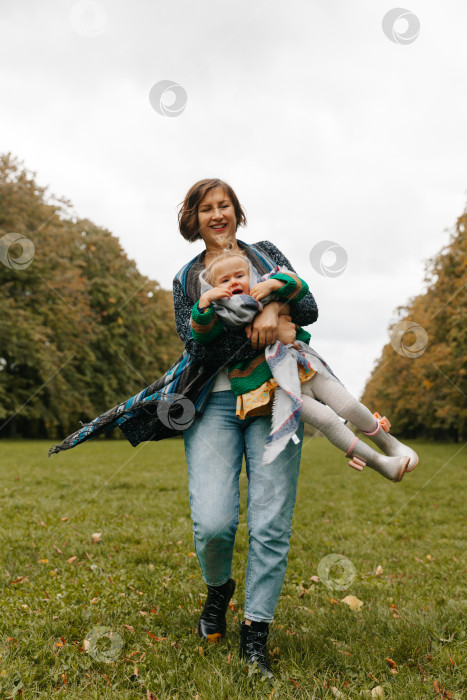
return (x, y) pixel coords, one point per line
(216, 442)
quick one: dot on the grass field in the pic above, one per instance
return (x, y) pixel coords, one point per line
(141, 584)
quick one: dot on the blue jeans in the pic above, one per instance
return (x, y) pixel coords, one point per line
(214, 447)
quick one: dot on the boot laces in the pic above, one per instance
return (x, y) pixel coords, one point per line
(256, 646)
(215, 603)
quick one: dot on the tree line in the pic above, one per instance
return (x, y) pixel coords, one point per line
(80, 328)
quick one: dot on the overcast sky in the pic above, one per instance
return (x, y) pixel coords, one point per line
(325, 128)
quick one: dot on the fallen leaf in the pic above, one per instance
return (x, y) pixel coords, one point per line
(214, 638)
(143, 612)
(64, 519)
(96, 537)
(379, 572)
(86, 644)
(333, 601)
(150, 696)
(353, 602)
(315, 579)
(200, 651)
(130, 628)
(295, 682)
(391, 663)
(71, 560)
(53, 573)
(377, 692)
(18, 580)
(192, 554)
(429, 557)
(229, 658)
(93, 601)
(43, 561)
(158, 639)
(57, 549)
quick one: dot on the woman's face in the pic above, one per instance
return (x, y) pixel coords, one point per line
(216, 219)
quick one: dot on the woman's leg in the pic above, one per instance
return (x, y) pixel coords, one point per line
(272, 490)
(214, 453)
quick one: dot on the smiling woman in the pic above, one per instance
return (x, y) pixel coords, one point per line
(216, 442)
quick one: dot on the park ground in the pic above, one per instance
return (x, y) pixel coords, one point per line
(101, 590)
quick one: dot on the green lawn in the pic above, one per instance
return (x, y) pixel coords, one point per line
(142, 581)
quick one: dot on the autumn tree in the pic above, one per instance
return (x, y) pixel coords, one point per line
(80, 328)
(419, 382)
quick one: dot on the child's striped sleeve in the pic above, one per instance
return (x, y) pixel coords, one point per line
(205, 325)
(294, 288)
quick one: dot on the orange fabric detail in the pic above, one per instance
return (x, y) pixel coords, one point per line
(259, 401)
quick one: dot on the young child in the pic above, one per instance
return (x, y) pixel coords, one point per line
(227, 295)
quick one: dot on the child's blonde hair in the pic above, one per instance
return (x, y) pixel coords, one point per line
(209, 272)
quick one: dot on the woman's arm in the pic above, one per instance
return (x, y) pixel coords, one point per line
(304, 311)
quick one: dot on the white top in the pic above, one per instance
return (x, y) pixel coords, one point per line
(222, 381)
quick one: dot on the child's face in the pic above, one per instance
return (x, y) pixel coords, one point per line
(233, 274)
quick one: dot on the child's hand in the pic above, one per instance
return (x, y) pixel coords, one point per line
(213, 294)
(262, 289)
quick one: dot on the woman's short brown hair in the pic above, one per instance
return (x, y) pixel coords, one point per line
(188, 212)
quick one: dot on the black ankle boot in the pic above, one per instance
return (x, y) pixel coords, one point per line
(212, 620)
(253, 645)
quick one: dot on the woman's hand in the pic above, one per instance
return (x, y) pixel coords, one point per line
(265, 326)
(287, 330)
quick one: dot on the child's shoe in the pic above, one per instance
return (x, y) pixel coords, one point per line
(389, 444)
(361, 454)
